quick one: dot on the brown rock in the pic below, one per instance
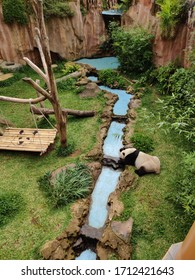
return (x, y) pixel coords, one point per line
(123, 229)
(58, 254)
(49, 248)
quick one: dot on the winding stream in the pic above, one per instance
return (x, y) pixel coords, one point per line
(108, 178)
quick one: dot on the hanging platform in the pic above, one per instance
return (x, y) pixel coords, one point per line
(27, 139)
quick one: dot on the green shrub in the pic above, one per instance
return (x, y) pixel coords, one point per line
(65, 151)
(58, 8)
(68, 84)
(161, 77)
(133, 48)
(15, 11)
(68, 185)
(171, 14)
(111, 79)
(142, 142)
(178, 110)
(10, 205)
(70, 67)
(185, 195)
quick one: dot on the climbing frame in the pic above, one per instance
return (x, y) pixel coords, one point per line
(27, 139)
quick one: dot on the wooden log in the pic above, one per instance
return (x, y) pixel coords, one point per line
(21, 100)
(71, 75)
(76, 113)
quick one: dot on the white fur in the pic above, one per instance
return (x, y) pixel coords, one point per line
(150, 163)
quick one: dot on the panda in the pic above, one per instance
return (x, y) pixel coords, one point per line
(143, 162)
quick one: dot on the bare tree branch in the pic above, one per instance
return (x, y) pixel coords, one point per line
(36, 69)
(21, 100)
(37, 88)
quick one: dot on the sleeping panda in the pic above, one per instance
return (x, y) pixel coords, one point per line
(143, 162)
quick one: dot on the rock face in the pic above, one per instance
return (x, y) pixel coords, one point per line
(143, 13)
(70, 38)
(81, 36)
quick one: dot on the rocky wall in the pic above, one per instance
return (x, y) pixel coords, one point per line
(143, 12)
(70, 38)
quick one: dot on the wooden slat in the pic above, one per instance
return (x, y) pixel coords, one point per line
(36, 143)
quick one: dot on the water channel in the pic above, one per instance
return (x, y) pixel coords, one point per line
(108, 178)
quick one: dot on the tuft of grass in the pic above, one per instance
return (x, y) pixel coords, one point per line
(67, 186)
(10, 205)
(143, 142)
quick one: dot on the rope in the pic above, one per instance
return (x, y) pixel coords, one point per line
(7, 124)
(46, 119)
(36, 124)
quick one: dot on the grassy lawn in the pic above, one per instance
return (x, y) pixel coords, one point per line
(37, 222)
(157, 224)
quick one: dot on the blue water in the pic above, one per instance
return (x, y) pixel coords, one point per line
(105, 185)
(108, 178)
(121, 106)
(113, 141)
(110, 62)
(112, 12)
(87, 255)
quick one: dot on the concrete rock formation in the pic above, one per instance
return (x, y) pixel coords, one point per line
(81, 36)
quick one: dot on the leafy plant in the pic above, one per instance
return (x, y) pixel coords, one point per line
(10, 205)
(68, 185)
(133, 48)
(65, 151)
(161, 76)
(58, 8)
(15, 11)
(172, 12)
(112, 79)
(142, 142)
(70, 67)
(179, 108)
(185, 195)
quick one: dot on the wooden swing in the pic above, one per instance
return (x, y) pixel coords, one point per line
(28, 139)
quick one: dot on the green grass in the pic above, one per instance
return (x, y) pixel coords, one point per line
(37, 222)
(157, 224)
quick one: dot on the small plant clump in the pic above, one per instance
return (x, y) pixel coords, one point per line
(142, 142)
(67, 186)
(10, 205)
(112, 79)
(171, 14)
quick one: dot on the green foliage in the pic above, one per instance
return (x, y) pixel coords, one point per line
(133, 48)
(70, 67)
(58, 8)
(142, 142)
(10, 205)
(65, 151)
(161, 77)
(185, 195)
(179, 108)
(68, 84)
(15, 11)
(112, 79)
(68, 185)
(172, 12)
